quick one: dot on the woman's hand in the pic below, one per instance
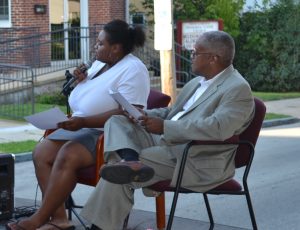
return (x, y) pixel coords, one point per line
(73, 124)
(80, 76)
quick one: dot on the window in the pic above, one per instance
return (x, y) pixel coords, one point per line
(5, 13)
(138, 18)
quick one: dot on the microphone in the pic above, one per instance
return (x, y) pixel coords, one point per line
(87, 65)
(71, 78)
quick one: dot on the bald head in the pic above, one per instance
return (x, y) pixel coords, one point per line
(219, 43)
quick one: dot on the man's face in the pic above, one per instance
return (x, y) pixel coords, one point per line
(201, 60)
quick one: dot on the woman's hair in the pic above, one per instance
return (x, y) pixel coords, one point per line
(119, 32)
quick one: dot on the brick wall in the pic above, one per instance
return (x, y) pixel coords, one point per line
(103, 11)
(23, 16)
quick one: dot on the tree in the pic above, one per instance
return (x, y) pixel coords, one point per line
(268, 52)
(227, 10)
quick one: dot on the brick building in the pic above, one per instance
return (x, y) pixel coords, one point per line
(22, 22)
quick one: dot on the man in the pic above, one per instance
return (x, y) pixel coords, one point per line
(214, 106)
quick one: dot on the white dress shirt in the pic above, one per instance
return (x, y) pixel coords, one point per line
(203, 85)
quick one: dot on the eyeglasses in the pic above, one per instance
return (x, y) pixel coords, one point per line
(194, 54)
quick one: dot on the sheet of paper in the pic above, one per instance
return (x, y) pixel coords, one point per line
(47, 119)
(125, 104)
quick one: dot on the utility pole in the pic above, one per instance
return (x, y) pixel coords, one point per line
(164, 42)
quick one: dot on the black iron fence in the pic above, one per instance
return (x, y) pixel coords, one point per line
(28, 53)
(16, 91)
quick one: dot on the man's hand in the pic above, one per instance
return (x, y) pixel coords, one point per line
(73, 124)
(131, 118)
(152, 124)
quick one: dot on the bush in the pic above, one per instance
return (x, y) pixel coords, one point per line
(53, 99)
(267, 48)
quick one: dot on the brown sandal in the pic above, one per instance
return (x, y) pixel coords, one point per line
(72, 227)
(16, 224)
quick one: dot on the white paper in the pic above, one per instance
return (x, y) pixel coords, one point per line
(125, 104)
(47, 119)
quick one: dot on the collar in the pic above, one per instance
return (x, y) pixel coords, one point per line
(203, 80)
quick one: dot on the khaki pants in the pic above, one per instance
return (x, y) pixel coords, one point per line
(109, 204)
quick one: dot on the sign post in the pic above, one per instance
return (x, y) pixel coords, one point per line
(164, 42)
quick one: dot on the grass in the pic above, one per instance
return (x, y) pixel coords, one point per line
(17, 147)
(27, 146)
(269, 96)
(270, 116)
(11, 109)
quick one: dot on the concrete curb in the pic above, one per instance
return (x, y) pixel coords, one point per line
(281, 121)
(22, 157)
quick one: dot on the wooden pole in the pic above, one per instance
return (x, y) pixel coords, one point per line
(167, 56)
(168, 80)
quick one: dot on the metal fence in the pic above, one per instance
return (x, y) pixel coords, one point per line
(16, 91)
(29, 54)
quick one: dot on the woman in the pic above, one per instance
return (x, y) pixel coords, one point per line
(72, 147)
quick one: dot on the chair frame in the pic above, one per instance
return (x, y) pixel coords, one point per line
(239, 190)
(245, 191)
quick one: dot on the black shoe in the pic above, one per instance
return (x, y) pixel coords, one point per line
(125, 172)
(94, 227)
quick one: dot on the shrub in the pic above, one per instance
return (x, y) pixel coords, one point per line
(51, 98)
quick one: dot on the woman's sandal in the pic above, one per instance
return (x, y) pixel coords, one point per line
(72, 227)
(17, 226)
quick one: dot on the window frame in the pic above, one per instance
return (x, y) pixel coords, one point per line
(138, 14)
(7, 23)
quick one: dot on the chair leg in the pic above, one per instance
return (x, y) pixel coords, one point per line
(210, 216)
(172, 212)
(160, 211)
(125, 223)
(70, 205)
(250, 208)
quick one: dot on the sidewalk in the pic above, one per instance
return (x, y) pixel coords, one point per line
(19, 131)
(273, 184)
(288, 106)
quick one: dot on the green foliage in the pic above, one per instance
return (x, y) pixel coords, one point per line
(51, 98)
(227, 10)
(268, 52)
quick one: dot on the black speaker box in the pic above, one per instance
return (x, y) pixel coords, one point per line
(7, 181)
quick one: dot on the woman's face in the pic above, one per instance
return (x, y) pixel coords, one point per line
(102, 48)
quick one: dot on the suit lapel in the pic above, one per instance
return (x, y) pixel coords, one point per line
(206, 95)
(186, 97)
(212, 89)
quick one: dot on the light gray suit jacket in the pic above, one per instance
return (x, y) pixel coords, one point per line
(225, 109)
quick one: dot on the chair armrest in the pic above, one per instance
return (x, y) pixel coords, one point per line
(48, 132)
(234, 140)
(99, 152)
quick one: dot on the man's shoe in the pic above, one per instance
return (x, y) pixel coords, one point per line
(125, 172)
(94, 227)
